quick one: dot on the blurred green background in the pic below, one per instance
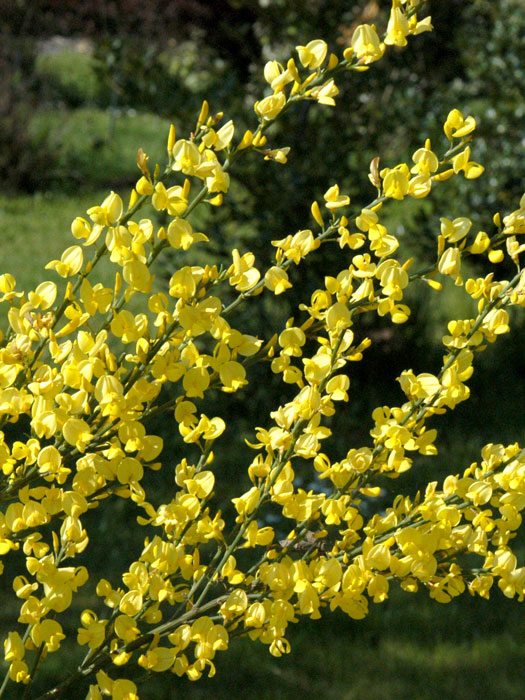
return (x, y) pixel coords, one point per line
(83, 85)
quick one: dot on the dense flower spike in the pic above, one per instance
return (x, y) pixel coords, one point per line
(86, 369)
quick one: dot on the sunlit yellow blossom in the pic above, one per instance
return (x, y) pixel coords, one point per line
(144, 186)
(70, 262)
(196, 381)
(49, 633)
(186, 157)
(44, 295)
(181, 235)
(138, 276)
(291, 340)
(397, 29)
(218, 180)
(77, 432)
(19, 672)
(7, 287)
(417, 27)
(108, 213)
(173, 200)
(450, 262)
(245, 275)
(92, 631)
(455, 231)
(220, 139)
(182, 284)
(396, 181)
(515, 222)
(313, 54)
(419, 186)
(270, 106)
(337, 387)
(272, 71)
(333, 199)
(366, 44)
(13, 647)
(324, 94)
(426, 161)
(276, 280)
(456, 126)
(279, 155)
(461, 163)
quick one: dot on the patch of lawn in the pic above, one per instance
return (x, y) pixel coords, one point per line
(35, 229)
(93, 148)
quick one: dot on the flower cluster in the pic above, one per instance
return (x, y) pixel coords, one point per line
(85, 370)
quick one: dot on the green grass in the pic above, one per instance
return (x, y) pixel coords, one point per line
(36, 229)
(92, 148)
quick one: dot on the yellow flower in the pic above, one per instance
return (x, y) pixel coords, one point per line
(324, 94)
(335, 200)
(108, 213)
(128, 327)
(291, 340)
(158, 659)
(396, 181)
(272, 71)
(270, 106)
(471, 169)
(124, 689)
(70, 262)
(77, 432)
(44, 295)
(426, 161)
(397, 30)
(182, 284)
(93, 630)
(80, 228)
(337, 387)
(218, 180)
(49, 633)
(450, 262)
(455, 231)
(313, 54)
(419, 186)
(366, 44)
(174, 200)
(181, 236)
(19, 672)
(456, 126)
(276, 280)
(196, 381)
(243, 275)
(515, 222)
(220, 139)
(245, 504)
(186, 157)
(279, 155)
(13, 647)
(233, 376)
(338, 317)
(138, 276)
